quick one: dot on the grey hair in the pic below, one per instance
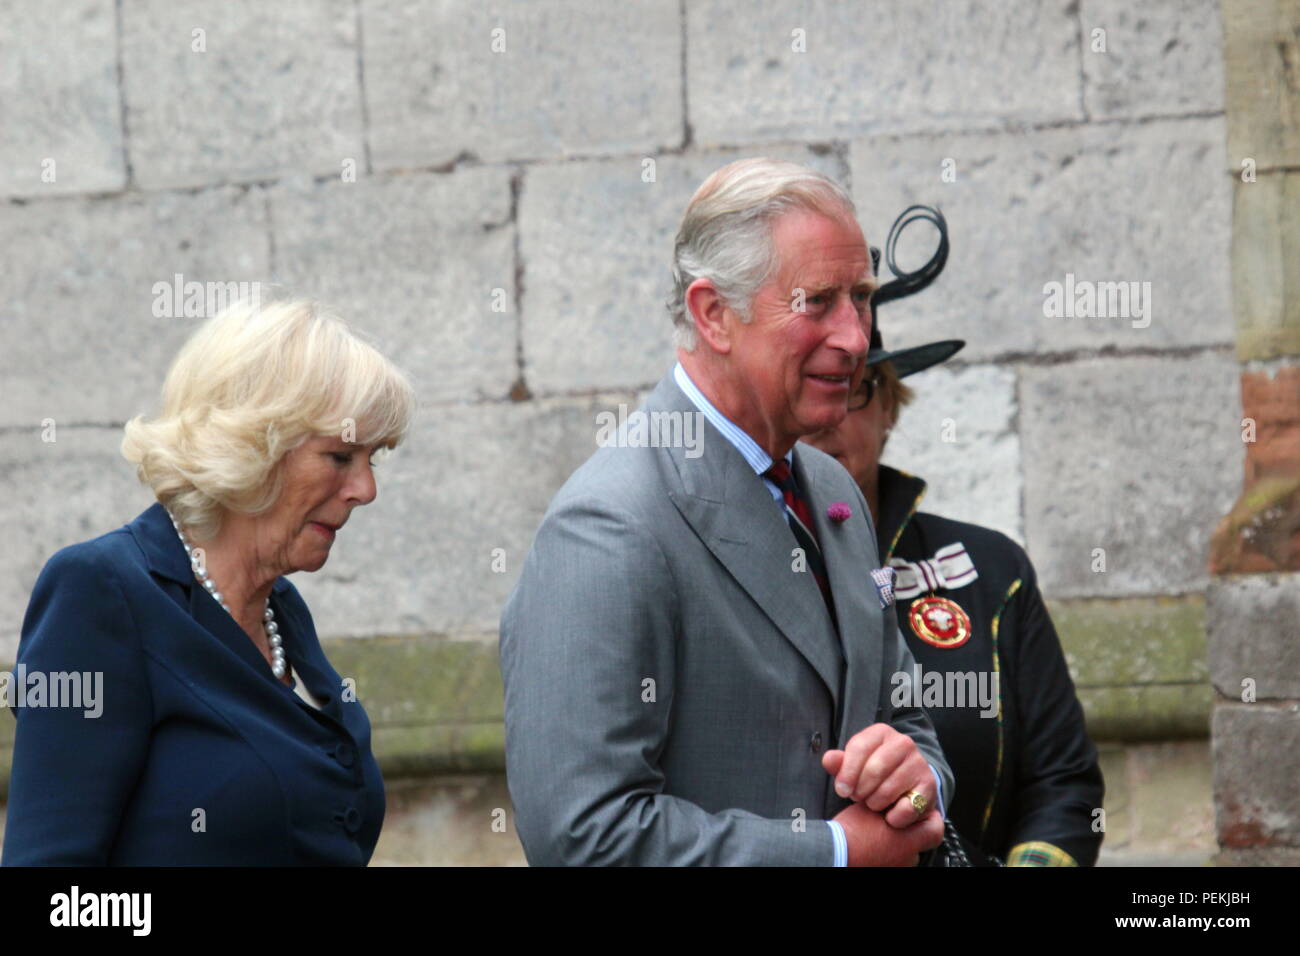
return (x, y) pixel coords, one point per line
(726, 231)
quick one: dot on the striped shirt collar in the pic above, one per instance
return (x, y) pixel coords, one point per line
(749, 449)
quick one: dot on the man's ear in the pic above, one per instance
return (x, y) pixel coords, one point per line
(710, 314)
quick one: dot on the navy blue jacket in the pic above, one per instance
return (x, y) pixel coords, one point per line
(200, 755)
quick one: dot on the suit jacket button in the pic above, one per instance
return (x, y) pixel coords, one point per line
(351, 819)
(344, 754)
(815, 744)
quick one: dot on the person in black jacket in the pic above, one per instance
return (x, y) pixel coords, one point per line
(990, 669)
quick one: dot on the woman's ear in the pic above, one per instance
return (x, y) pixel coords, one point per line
(708, 311)
(888, 410)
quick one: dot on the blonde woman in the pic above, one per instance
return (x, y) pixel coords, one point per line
(225, 736)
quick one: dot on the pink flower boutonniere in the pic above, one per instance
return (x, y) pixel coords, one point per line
(839, 512)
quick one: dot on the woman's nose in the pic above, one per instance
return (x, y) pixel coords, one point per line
(361, 486)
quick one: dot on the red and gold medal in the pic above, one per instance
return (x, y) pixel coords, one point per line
(939, 621)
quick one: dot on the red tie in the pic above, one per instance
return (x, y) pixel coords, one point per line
(800, 519)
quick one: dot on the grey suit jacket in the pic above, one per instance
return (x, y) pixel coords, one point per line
(671, 682)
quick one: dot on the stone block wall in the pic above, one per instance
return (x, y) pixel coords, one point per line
(490, 191)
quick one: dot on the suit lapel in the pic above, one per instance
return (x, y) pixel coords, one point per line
(310, 666)
(846, 549)
(166, 558)
(736, 518)
(218, 622)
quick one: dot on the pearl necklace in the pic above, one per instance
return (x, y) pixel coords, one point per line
(278, 664)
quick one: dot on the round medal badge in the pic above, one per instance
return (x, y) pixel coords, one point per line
(939, 621)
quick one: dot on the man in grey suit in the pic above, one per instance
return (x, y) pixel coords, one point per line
(697, 662)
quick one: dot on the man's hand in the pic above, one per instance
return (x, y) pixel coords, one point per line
(877, 768)
(873, 842)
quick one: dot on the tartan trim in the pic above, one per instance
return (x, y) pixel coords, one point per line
(997, 668)
(1039, 853)
(916, 503)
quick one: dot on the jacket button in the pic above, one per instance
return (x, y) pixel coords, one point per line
(344, 754)
(349, 819)
(815, 743)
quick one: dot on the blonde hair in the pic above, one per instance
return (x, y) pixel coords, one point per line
(899, 394)
(726, 231)
(250, 385)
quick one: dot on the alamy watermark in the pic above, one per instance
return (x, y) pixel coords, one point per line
(1083, 299)
(129, 910)
(179, 299)
(81, 690)
(946, 689)
(642, 429)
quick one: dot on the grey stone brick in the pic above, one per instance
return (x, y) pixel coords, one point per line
(79, 340)
(1113, 203)
(58, 87)
(1160, 57)
(1259, 50)
(472, 478)
(275, 90)
(448, 821)
(1171, 808)
(597, 243)
(1265, 267)
(975, 476)
(1256, 801)
(57, 493)
(572, 79)
(889, 66)
(1251, 622)
(1137, 456)
(414, 260)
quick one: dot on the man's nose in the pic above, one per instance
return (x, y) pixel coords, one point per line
(851, 330)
